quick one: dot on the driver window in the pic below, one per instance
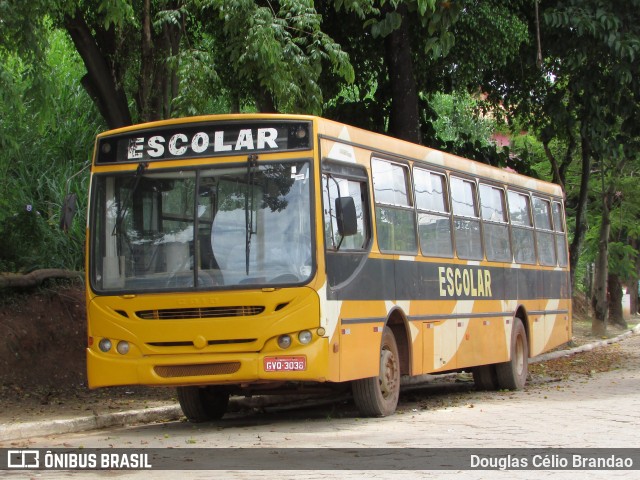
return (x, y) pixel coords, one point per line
(335, 187)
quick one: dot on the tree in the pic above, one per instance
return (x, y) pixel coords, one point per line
(624, 212)
(275, 51)
(396, 22)
(578, 90)
(154, 51)
(603, 41)
(45, 144)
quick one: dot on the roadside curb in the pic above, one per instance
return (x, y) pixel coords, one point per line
(20, 431)
(73, 425)
(585, 348)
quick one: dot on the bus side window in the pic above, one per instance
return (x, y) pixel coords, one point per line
(434, 215)
(521, 228)
(395, 216)
(333, 188)
(558, 227)
(465, 219)
(496, 228)
(544, 233)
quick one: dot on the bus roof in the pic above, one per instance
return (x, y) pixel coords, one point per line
(355, 137)
(394, 147)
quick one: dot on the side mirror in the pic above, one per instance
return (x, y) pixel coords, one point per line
(346, 216)
(68, 211)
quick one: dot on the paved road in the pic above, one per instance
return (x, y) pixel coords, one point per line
(602, 410)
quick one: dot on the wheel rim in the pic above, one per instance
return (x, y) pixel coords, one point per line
(388, 373)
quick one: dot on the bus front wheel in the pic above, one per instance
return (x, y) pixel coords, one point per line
(485, 377)
(378, 396)
(512, 375)
(202, 404)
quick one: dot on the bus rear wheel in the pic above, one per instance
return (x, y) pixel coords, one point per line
(512, 375)
(378, 396)
(203, 404)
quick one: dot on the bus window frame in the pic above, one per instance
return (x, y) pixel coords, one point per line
(506, 218)
(550, 231)
(530, 227)
(197, 169)
(407, 168)
(560, 234)
(478, 217)
(354, 173)
(444, 214)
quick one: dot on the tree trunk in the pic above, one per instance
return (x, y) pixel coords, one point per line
(173, 35)
(99, 82)
(404, 121)
(632, 290)
(35, 278)
(581, 214)
(615, 300)
(146, 77)
(600, 300)
(559, 170)
(158, 81)
(633, 284)
(555, 169)
(264, 100)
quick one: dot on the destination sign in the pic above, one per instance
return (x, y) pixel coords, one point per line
(203, 140)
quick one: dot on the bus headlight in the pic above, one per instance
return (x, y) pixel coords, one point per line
(123, 348)
(284, 341)
(105, 345)
(304, 337)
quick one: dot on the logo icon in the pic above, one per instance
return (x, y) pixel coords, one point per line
(23, 459)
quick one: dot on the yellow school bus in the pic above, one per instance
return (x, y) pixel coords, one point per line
(251, 254)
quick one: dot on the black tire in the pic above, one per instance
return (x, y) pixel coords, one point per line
(378, 396)
(512, 375)
(485, 377)
(202, 404)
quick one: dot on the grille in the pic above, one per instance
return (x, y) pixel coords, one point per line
(232, 341)
(202, 312)
(172, 371)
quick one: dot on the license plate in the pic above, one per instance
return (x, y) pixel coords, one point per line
(285, 364)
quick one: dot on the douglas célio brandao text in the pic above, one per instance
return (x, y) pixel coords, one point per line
(568, 461)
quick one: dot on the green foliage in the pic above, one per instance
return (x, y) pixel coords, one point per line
(435, 18)
(313, 57)
(599, 21)
(456, 123)
(40, 159)
(115, 12)
(489, 35)
(201, 89)
(622, 260)
(595, 44)
(459, 119)
(381, 28)
(280, 50)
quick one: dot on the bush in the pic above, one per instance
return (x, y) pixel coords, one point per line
(46, 140)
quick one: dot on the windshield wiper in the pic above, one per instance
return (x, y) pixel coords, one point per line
(122, 212)
(252, 163)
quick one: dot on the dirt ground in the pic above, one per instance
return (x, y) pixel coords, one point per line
(42, 359)
(43, 364)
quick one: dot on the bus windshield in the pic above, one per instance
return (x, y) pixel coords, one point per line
(243, 226)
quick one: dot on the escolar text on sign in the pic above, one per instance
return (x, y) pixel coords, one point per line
(179, 144)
